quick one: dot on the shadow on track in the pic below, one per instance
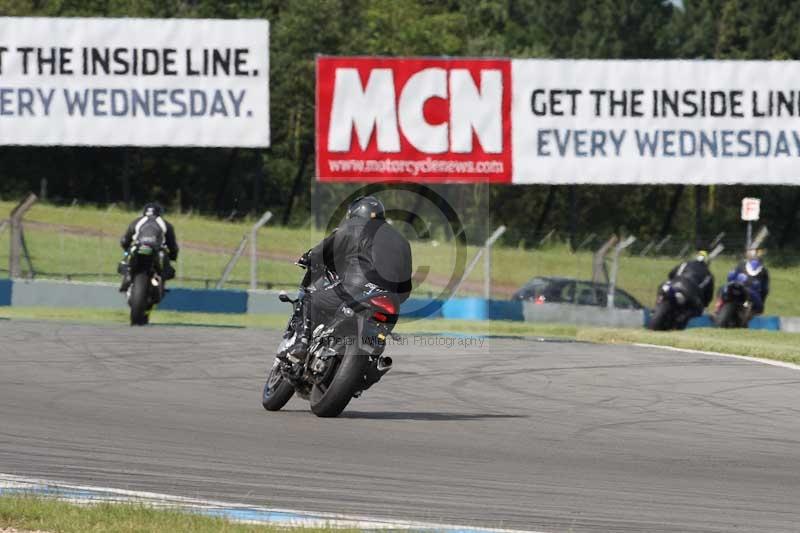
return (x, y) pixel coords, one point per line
(412, 415)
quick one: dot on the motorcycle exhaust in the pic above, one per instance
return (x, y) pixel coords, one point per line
(384, 364)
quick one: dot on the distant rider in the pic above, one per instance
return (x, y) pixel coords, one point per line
(754, 276)
(151, 226)
(696, 280)
(366, 253)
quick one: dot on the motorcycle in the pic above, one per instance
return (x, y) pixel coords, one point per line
(145, 265)
(734, 308)
(674, 307)
(345, 354)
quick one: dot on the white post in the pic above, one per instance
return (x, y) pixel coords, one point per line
(15, 221)
(612, 283)
(254, 249)
(482, 250)
(487, 258)
(749, 236)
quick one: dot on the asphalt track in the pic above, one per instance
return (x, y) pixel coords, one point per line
(516, 433)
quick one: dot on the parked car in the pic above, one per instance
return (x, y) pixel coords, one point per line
(543, 290)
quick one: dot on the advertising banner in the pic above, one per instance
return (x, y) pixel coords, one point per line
(135, 82)
(570, 121)
(414, 119)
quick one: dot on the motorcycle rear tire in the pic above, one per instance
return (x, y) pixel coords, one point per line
(138, 299)
(726, 318)
(661, 319)
(275, 397)
(346, 381)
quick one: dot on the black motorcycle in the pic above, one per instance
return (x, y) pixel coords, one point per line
(734, 309)
(145, 265)
(675, 306)
(345, 355)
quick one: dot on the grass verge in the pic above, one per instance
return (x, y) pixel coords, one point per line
(776, 345)
(33, 513)
(60, 252)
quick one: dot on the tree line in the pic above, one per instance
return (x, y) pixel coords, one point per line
(237, 181)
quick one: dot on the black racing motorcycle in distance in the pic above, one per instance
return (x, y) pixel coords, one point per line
(145, 264)
(345, 355)
(674, 307)
(734, 309)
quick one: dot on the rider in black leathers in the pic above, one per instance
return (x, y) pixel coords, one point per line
(697, 281)
(150, 221)
(365, 252)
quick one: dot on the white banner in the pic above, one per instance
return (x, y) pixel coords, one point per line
(617, 122)
(139, 82)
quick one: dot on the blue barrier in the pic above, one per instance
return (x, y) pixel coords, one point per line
(466, 309)
(5, 291)
(421, 308)
(505, 310)
(771, 323)
(702, 321)
(205, 301)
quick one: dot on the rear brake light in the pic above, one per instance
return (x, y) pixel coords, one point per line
(380, 317)
(385, 303)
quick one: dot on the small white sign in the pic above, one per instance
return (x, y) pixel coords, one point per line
(751, 209)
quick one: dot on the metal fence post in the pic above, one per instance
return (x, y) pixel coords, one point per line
(15, 221)
(254, 249)
(599, 260)
(232, 263)
(482, 250)
(612, 283)
(487, 258)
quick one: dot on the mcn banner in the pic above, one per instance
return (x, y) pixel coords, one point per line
(558, 121)
(137, 82)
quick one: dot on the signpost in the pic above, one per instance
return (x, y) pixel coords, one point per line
(751, 209)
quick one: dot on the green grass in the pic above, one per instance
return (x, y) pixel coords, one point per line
(59, 252)
(776, 345)
(50, 515)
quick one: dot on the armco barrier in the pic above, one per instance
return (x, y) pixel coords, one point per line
(50, 293)
(47, 293)
(583, 315)
(266, 303)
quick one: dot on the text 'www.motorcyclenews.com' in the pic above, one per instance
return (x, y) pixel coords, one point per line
(415, 167)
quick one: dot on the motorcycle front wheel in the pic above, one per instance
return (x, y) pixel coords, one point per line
(277, 390)
(726, 318)
(138, 299)
(332, 394)
(661, 319)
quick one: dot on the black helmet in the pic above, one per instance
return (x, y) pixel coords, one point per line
(152, 210)
(366, 207)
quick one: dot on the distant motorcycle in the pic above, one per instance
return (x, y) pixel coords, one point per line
(345, 355)
(145, 263)
(734, 309)
(674, 307)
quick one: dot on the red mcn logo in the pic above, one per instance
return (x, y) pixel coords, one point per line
(415, 119)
